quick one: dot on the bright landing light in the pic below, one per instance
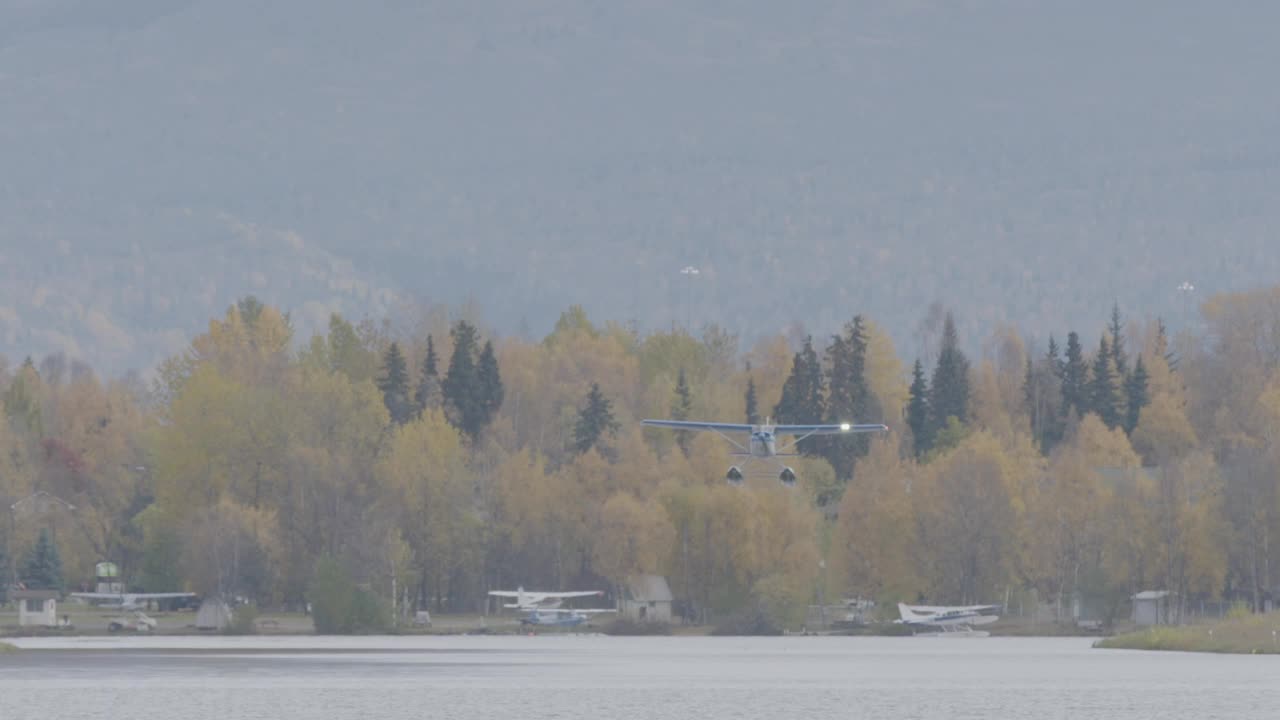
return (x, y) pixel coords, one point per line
(844, 427)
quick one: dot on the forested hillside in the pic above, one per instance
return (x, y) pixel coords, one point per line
(452, 462)
(1024, 162)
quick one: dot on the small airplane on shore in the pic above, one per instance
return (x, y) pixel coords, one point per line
(762, 441)
(543, 608)
(532, 600)
(128, 601)
(950, 621)
(561, 617)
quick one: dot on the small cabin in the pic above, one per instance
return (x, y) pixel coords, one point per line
(646, 598)
(37, 608)
(1151, 607)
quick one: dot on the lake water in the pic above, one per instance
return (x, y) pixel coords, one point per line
(604, 678)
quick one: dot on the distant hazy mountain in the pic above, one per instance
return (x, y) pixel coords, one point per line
(1017, 160)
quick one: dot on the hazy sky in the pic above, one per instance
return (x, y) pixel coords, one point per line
(1021, 162)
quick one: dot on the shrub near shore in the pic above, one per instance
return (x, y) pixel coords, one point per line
(1249, 635)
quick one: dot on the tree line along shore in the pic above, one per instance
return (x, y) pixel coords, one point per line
(419, 464)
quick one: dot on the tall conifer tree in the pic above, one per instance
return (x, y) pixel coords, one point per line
(918, 412)
(490, 385)
(1075, 378)
(1118, 355)
(43, 568)
(394, 384)
(1135, 390)
(1056, 363)
(848, 397)
(462, 390)
(428, 393)
(950, 385)
(1104, 391)
(802, 394)
(594, 420)
(681, 407)
(1042, 393)
(750, 402)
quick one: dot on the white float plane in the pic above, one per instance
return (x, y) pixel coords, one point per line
(528, 600)
(762, 440)
(953, 620)
(128, 601)
(544, 607)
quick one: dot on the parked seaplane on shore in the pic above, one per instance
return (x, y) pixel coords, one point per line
(949, 621)
(126, 600)
(762, 441)
(544, 608)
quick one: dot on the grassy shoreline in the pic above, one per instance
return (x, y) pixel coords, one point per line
(7, 648)
(1251, 635)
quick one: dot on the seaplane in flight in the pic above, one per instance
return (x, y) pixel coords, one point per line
(761, 441)
(544, 609)
(953, 621)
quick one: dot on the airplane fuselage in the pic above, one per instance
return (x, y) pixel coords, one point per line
(554, 619)
(763, 443)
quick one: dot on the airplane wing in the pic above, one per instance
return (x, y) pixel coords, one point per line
(696, 426)
(130, 597)
(934, 609)
(571, 611)
(827, 429)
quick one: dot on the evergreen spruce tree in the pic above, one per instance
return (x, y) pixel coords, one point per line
(43, 568)
(1056, 363)
(1075, 377)
(394, 385)
(848, 397)
(950, 385)
(490, 385)
(1135, 390)
(594, 420)
(461, 386)
(1044, 397)
(918, 412)
(749, 400)
(1118, 355)
(865, 406)
(681, 407)
(802, 401)
(428, 393)
(814, 405)
(1104, 391)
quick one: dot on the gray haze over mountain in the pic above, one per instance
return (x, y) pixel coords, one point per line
(1019, 161)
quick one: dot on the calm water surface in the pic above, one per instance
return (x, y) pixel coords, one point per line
(604, 678)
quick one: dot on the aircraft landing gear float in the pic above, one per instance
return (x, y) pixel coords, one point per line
(787, 477)
(734, 476)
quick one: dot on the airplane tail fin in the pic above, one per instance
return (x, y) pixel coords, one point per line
(905, 614)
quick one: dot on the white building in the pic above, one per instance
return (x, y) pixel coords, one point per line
(646, 598)
(37, 608)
